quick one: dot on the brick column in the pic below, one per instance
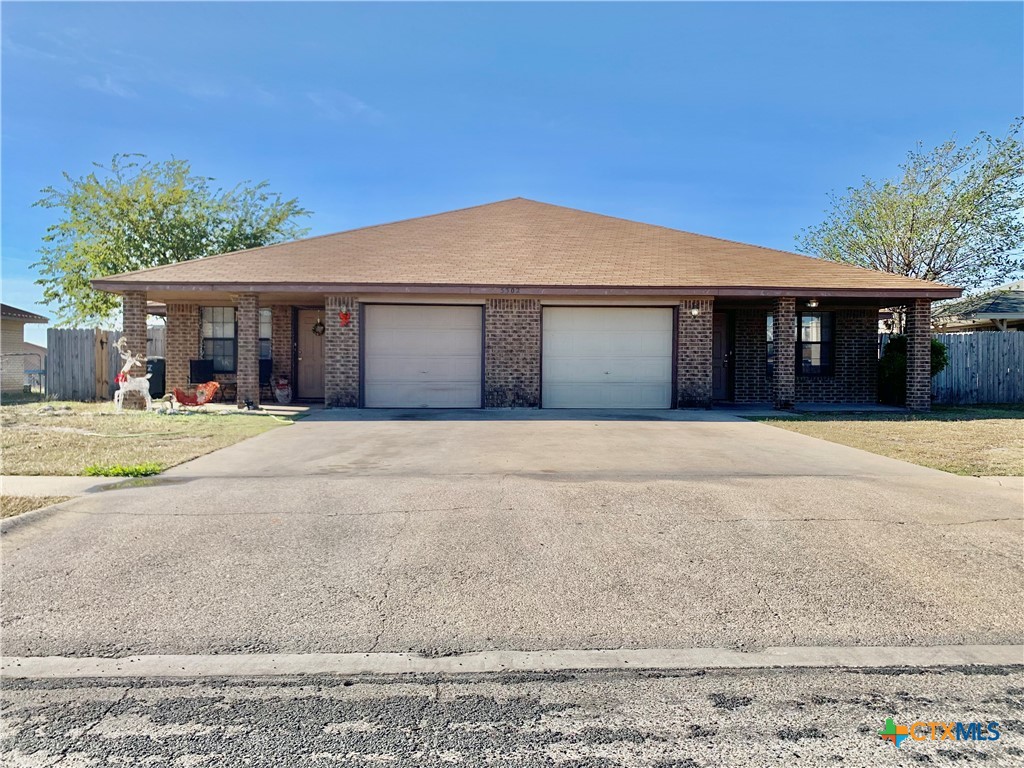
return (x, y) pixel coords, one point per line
(341, 352)
(919, 355)
(247, 363)
(183, 340)
(512, 353)
(281, 342)
(694, 353)
(784, 377)
(133, 325)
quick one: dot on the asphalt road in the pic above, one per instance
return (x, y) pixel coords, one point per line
(684, 719)
(448, 533)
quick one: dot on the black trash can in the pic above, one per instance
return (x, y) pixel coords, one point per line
(155, 366)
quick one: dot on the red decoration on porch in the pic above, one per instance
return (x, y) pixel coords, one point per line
(344, 317)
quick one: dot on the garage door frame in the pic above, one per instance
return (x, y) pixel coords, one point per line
(363, 315)
(673, 400)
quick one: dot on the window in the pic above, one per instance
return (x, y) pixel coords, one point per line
(814, 347)
(265, 326)
(219, 340)
(769, 368)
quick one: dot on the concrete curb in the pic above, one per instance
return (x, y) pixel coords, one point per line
(43, 667)
(10, 524)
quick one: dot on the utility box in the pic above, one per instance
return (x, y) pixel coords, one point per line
(155, 366)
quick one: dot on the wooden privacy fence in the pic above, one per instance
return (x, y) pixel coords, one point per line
(984, 367)
(81, 363)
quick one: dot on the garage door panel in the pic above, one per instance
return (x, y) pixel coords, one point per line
(607, 357)
(422, 356)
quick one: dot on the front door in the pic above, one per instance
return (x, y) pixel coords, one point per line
(721, 357)
(310, 355)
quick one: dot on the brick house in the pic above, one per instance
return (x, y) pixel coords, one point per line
(524, 304)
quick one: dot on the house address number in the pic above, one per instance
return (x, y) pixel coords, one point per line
(510, 289)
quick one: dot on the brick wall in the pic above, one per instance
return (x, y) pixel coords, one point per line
(919, 360)
(133, 323)
(750, 358)
(183, 340)
(247, 364)
(855, 378)
(281, 344)
(693, 371)
(512, 353)
(784, 378)
(341, 353)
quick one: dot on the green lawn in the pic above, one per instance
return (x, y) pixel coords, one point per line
(65, 442)
(965, 440)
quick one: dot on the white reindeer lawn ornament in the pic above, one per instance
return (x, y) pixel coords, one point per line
(128, 383)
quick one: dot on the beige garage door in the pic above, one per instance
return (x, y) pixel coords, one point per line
(607, 357)
(422, 356)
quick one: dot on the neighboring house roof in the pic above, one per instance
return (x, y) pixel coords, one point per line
(522, 243)
(1003, 303)
(38, 349)
(7, 312)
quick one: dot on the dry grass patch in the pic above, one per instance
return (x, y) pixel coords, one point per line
(16, 505)
(982, 440)
(76, 435)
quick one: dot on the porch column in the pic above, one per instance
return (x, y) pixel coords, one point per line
(693, 354)
(784, 341)
(247, 365)
(182, 345)
(133, 325)
(341, 352)
(919, 355)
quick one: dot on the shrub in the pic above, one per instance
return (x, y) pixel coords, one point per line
(123, 470)
(892, 368)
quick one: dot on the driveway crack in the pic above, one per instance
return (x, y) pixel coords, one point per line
(379, 607)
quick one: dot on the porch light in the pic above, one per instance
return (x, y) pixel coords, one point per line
(695, 311)
(812, 303)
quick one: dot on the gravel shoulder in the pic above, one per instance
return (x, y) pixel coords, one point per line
(685, 719)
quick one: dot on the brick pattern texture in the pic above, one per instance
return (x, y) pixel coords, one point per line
(184, 337)
(693, 362)
(855, 378)
(247, 364)
(784, 379)
(919, 355)
(134, 327)
(512, 353)
(341, 353)
(281, 344)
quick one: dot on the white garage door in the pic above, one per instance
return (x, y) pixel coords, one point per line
(607, 357)
(422, 356)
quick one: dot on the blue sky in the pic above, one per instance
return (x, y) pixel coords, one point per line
(728, 119)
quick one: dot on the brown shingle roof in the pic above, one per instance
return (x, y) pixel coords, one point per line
(518, 242)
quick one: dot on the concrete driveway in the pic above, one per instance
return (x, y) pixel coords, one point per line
(447, 532)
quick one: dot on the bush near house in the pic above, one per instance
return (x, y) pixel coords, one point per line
(892, 369)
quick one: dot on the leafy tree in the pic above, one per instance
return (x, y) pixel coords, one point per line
(954, 215)
(135, 214)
